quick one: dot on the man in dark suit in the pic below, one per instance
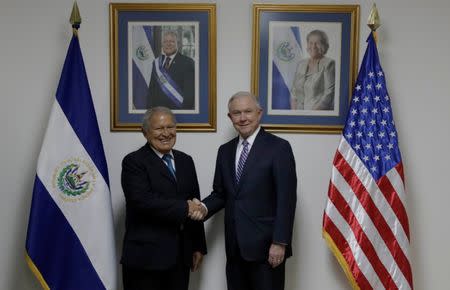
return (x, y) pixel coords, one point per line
(256, 182)
(161, 243)
(172, 83)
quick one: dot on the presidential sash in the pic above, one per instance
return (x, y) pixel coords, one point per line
(167, 84)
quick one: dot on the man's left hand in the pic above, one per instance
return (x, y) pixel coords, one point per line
(197, 259)
(276, 254)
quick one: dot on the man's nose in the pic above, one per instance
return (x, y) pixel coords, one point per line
(165, 131)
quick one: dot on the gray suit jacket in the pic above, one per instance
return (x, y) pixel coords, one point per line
(315, 91)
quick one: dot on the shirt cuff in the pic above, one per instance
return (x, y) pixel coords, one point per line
(204, 205)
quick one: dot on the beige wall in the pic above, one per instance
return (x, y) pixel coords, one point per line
(414, 50)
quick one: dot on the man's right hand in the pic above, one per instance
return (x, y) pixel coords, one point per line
(197, 211)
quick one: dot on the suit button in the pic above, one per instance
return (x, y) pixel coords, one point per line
(181, 227)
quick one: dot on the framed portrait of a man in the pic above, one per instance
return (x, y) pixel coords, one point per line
(163, 66)
(304, 65)
(163, 55)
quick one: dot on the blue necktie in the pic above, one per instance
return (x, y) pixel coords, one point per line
(168, 159)
(242, 159)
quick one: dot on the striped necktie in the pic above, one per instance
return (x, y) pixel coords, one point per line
(168, 160)
(242, 159)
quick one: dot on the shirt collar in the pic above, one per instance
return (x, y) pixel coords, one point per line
(172, 56)
(250, 139)
(160, 155)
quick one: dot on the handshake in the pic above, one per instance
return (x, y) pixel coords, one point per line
(197, 211)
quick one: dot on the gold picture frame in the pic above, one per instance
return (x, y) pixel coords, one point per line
(136, 33)
(295, 100)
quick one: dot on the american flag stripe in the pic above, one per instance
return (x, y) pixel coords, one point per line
(362, 238)
(401, 174)
(360, 266)
(381, 205)
(343, 197)
(380, 213)
(396, 179)
(392, 196)
(341, 249)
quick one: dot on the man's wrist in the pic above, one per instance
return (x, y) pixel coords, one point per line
(279, 244)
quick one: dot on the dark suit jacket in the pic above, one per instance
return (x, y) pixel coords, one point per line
(156, 210)
(181, 71)
(261, 208)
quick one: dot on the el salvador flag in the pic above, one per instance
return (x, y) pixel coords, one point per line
(143, 56)
(287, 52)
(70, 237)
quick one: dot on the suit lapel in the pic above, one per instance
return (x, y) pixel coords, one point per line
(231, 160)
(160, 165)
(174, 63)
(179, 165)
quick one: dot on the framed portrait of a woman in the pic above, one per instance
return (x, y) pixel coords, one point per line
(304, 65)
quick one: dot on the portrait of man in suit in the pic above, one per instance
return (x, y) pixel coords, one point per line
(255, 181)
(161, 244)
(172, 82)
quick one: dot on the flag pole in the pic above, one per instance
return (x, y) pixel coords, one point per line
(75, 18)
(374, 21)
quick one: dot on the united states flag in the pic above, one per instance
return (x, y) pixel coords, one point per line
(365, 222)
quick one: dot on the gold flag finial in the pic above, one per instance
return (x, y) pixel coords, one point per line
(374, 19)
(75, 18)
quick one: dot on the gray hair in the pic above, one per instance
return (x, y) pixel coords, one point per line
(323, 39)
(244, 94)
(152, 111)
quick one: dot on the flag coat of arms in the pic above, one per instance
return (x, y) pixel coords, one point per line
(286, 54)
(142, 64)
(70, 238)
(365, 222)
